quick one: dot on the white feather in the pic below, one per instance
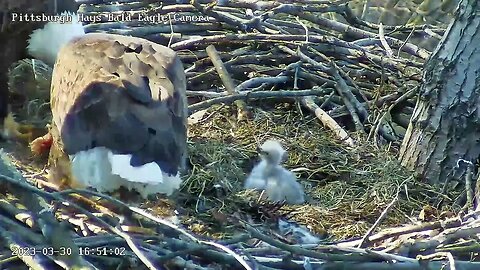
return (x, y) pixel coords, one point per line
(278, 183)
(256, 180)
(45, 43)
(101, 169)
(149, 173)
(282, 185)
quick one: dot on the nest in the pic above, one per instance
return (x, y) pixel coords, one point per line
(338, 98)
(29, 87)
(348, 189)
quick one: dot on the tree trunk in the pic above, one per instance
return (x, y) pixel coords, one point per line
(445, 125)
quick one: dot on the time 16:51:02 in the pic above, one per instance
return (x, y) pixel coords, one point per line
(102, 251)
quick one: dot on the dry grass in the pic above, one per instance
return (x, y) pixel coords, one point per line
(347, 189)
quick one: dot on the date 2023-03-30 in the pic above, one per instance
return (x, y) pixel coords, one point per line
(67, 251)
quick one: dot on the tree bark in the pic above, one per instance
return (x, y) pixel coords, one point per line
(445, 125)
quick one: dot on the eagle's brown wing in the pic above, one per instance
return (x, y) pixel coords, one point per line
(124, 93)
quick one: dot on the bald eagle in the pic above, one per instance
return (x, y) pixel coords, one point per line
(119, 110)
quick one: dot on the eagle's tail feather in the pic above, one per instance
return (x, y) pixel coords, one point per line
(101, 169)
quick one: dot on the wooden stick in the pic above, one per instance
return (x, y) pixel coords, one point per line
(254, 95)
(227, 80)
(382, 216)
(328, 121)
(384, 42)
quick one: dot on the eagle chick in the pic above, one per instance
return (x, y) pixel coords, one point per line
(269, 175)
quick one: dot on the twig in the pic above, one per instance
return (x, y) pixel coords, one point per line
(172, 32)
(38, 262)
(387, 48)
(299, 250)
(241, 38)
(404, 230)
(349, 99)
(350, 81)
(442, 255)
(255, 95)
(253, 82)
(175, 227)
(304, 27)
(469, 205)
(359, 33)
(20, 231)
(84, 211)
(322, 115)
(382, 216)
(230, 19)
(328, 121)
(157, 220)
(227, 80)
(21, 215)
(207, 94)
(406, 40)
(45, 219)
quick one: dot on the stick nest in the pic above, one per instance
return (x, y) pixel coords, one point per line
(274, 80)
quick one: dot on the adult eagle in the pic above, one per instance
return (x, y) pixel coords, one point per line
(119, 112)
